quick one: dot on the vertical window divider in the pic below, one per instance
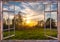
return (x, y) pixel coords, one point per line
(44, 21)
(50, 17)
(8, 21)
(57, 19)
(2, 19)
(14, 18)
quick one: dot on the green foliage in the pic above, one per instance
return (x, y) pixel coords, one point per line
(51, 22)
(18, 22)
(40, 24)
(5, 26)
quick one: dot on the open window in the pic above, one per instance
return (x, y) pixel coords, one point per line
(35, 19)
(8, 20)
(51, 20)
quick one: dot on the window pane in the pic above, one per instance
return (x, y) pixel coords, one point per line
(53, 7)
(5, 7)
(12, 31)
(47, 15)
(6, 33)
(54, 16)
(47, 7)
(11, 6)
(51, 24)
(54, 24)
(11, 19)
(12, 27)
(5, 20)
(47, 23)
(8, 19)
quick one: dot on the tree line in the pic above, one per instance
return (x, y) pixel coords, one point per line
(18, 23)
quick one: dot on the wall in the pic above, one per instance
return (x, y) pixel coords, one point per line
(1, 21)
(59, 21)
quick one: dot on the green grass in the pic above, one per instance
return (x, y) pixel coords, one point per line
(52, 32)
(31, 34)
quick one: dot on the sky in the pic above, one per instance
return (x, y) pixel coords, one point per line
(32, 10)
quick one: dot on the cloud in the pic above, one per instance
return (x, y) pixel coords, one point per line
(36, 6)
(31, 14)
(5, 8)
(5, 15)
(31, 7)
(31, 10)
(11, 7)
(37, 17)
(11, 17)
(17, 8)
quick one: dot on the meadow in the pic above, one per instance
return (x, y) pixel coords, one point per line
(32, 34)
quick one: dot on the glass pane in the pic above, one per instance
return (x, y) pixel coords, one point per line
(5, 6)
(8, 6)
(12, 32)
(11, 6)
(6, 33)
(8, 19)
(47, 23)
(54, 7)
(11, 19)
(5, 20)
(47, 7)
(51, 24)
(54, 24)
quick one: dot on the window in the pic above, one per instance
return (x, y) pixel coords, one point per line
(51, 20)
(35, 18)
(8, 20)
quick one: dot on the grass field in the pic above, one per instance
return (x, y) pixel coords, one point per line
(31, 34)
(52, 32)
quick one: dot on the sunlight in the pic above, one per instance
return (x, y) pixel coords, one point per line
(28, 21)
(31, 23)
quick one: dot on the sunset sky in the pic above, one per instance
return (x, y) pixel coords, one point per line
(32, 10)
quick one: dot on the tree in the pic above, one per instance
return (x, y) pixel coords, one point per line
(18, 21)
(40, 24)
(51, 22)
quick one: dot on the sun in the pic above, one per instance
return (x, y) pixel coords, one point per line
(31, 23)
(28, 22)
